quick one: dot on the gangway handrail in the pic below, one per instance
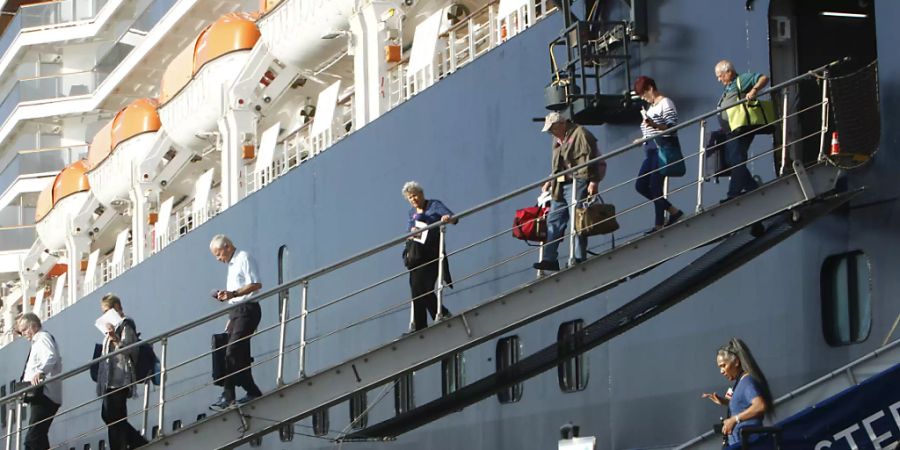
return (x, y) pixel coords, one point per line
(806, 387)
(306, 278)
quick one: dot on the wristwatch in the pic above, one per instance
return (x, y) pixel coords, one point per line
(737, 419)
(233, 293)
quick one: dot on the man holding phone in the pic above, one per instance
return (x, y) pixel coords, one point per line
(242, 281)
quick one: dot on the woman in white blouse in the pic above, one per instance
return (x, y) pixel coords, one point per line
(658, 117)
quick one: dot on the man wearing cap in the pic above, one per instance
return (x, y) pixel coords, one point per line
(573, 145)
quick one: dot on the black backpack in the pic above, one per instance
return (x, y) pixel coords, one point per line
(146, 365)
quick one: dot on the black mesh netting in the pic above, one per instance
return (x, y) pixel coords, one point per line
(857, 116)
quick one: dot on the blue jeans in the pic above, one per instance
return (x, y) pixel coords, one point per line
(650, 185)
(558, 222)
(736, 157)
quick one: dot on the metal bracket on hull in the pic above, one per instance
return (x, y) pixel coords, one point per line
(523, 305)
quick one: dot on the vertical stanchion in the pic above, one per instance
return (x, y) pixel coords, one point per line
(282, 297)
(451, 47)
(9, 427)
(164, 346)
(439, 292)
(784, 130)
(824, 118)
(303, 313)
(572, 236)
(146, 405)
(18, 423)
(701, 161)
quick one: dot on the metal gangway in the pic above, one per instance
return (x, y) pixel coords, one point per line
(303, 392)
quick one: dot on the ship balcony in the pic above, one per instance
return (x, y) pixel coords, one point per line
(35, 91)
(49, 160)
(56, 21)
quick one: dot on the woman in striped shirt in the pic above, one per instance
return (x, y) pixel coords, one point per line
(658, 117)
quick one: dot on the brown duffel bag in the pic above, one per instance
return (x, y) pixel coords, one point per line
(595, 217)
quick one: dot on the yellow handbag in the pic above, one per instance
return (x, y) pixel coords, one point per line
(755, 113)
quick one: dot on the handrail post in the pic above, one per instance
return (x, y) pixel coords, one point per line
(18, 423)
(451, 47)
(279, 380)
(303, 314)
(572, 236)
(824, 118)
(9, 425)
(439, 292)
(146, 406)
(784, 130)
(164, 346)
(701, 162)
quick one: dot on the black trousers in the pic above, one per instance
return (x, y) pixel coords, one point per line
(421, 283)
(243, 321)
(122, 435)
(42, 411)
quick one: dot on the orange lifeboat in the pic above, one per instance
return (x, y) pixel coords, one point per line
(192, 88)
(68, 194)
(118, 146)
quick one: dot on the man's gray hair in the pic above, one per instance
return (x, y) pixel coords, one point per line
(28, 319)
(412, 187)
(725, 66)
(220, 241)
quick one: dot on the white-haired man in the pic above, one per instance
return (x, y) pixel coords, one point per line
(43, 361)
(242, 281)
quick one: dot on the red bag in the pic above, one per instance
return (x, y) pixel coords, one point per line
(530, 224)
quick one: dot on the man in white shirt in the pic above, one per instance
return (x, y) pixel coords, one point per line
(242, 281)
(44, 361)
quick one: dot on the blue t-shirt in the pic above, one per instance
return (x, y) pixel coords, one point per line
(433, 212)
(745, 391)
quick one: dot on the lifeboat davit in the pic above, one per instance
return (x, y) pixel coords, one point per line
(60, 202)
(119, 147)
(293, 30)
(193, 86)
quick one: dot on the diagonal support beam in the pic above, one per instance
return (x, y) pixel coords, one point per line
(496, 316)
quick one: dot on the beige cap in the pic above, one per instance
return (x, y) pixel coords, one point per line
(552, 117)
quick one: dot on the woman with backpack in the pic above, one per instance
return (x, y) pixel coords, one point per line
(116, 378)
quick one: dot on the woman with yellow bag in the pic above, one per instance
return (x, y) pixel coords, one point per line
(739, 126)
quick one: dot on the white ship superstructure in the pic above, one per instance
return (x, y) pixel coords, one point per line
(128, 123)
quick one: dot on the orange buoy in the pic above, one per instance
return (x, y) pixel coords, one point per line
(835, 144)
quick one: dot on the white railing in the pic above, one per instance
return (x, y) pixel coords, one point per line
(185, 217)
(472, 37)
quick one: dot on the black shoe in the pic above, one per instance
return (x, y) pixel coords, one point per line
(247, 398)
(546, 265)
(222, 404)
(674, 218)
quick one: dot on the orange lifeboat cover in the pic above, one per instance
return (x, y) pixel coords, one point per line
(139, 117)
(44, 203)
(101, 146)
(71, 180)
(268, 5)
(233, 31)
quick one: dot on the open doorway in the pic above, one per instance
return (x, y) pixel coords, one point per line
(807, 34)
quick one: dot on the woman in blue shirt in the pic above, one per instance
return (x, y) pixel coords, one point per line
(422, 278)
(749, 400)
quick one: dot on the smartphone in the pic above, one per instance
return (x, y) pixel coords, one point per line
(644, 113)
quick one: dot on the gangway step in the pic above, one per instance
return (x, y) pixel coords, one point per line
(520, 306)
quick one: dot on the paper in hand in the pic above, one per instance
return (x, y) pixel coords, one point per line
(110, 317)
(420, 238)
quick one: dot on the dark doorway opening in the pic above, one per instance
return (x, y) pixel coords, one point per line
(807, 34)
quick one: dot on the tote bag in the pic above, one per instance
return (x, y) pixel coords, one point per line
(671, 161)
(752, 114)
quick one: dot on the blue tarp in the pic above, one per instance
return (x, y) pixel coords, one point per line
(866, 416)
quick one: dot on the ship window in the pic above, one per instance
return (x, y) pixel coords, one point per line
(404, 394)
(286, 432)
(846, 298)
(256, 442)
(101, 445)
(201, 416)
(453, 373)
(509, 350)
(320, 422)
(571, 372)
(3, 408)
(154, 432)
(87, 446)
(359, 418)
(176, 425)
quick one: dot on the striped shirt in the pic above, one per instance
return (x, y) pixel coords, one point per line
(663, 112)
